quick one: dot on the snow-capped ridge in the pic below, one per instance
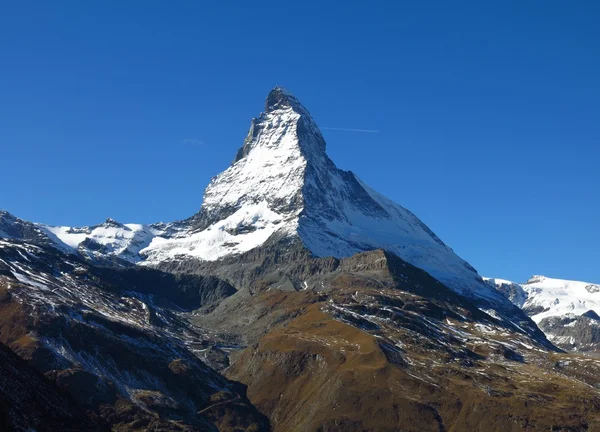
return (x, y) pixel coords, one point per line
(549, 297)
(567, 311)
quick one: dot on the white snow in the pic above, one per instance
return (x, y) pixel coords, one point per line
(396, 230)
(67, 236)
(272, 171)
(220, 239)
(124, 241)
(498, 281)
(558, 297)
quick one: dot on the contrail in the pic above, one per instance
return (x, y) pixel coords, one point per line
(191, 141)
(351, 130)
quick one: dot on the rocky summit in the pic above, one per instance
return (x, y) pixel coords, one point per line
(296, 299)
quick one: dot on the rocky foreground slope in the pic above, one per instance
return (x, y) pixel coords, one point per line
(118, 341)
(296, 299)
(378, 336)
(28, 401)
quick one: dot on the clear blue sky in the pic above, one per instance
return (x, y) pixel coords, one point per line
(489, 114)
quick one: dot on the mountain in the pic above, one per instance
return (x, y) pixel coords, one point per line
(282, 187)
(567, 311)
(142, 349)
(117, 341)
(109, 243)
(282, 184)
(297, 298)
(388, 348)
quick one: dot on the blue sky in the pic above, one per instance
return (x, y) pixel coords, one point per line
(488, 114)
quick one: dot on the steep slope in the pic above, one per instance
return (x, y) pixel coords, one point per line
(567, 311)
(283, 185)
(118, 340)
(28, 401)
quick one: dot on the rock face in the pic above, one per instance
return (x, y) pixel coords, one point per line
(28, 401)
(117, 341)
(567, 311)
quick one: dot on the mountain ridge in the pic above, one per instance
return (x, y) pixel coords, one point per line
(567, 311)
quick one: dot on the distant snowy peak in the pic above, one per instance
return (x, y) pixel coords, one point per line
(110, 239)
(543, 297)
(103, 243)
(12, 227)
(568, 312)
(513, 291)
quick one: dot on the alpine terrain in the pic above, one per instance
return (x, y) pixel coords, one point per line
(567, 311)
(296, 299)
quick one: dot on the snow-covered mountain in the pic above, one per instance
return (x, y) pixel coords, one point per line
(107, 243)
(110, 238)
(567, 311)
(281, 185)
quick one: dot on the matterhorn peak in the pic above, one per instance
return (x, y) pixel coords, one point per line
(282, 186)
(285, 121)
(281, 98)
